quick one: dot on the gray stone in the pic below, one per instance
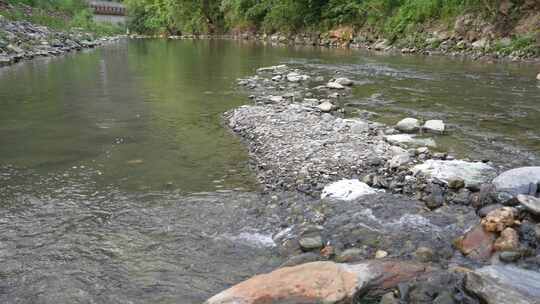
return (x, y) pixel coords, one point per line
(509, 256)
(389, 298)
(487, 209)
(472, 173)
(530, 203)
(408, 125)
(335, 85)
(522, 180)
(326, 107)
(434, 126)
(399, 160)
(351, 255)
(312, 242)
(424, 254)
(411, 140)
(504, 285)
(344, 81)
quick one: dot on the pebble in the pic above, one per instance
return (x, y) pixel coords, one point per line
(509, 256)
(381, 254)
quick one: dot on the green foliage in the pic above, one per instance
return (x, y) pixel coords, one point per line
(391, 17)
(522, 45)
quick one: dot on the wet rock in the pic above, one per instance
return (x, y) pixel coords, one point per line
(487, 209)
(472, 173)
(509, 256)
(434, 126)
(409, 139)
(508, 241)
(476, 244)
(504, 285)
(320, 282)
(538, 76)
(347, 190)
(303, 258)
(408, 125)
(456, 183)
(381, 254)
(499, 219)
(436, 197)
(276, 68)
(424, 254)
(389, 298)
(484, 197)
(522, 180)
(531, 203)
(311, 242)
(399, 160)
(335, 85)
(296, 77)
(326, 107)
(351, 255)
(344, 81)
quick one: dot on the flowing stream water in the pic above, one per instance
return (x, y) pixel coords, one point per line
(119, 184)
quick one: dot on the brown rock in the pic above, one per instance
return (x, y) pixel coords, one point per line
(498, 219)
(320, 282)
(508, 241)
(476, 244)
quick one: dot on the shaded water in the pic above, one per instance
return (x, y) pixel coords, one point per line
(102, 152)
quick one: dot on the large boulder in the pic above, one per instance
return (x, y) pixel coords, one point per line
(408, 125)
(522, 180)
(504, 285)
(472, 173)
(434, 126)
(347, 190)
(320, 282)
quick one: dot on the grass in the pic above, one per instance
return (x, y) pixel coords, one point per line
(522, 45)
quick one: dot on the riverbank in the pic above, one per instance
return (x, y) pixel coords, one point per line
(382, 197)
(22, 40)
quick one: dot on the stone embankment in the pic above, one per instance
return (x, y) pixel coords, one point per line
(384, 215)
(22, 40)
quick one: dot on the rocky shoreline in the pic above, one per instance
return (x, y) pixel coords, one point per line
(378, 207)
(22, 40)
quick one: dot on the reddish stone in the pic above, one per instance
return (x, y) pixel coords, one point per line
(476, 244)
(320, 282)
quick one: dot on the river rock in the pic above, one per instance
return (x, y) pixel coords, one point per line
(506, 284)
(508, 241)
(320, 282)
(434, 126)
(335, 85)
(472, 173)
(476, 243)
(409, 139)
(399, 160)
(344, 81)
(347, 190)
(408, 125)
(295, 77)
(499, 219)
(538, 76)
(530, 203)
(522, 180)
(275, 68)
(326, 107)
(311, 242)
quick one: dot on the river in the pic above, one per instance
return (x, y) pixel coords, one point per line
(119, 184)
